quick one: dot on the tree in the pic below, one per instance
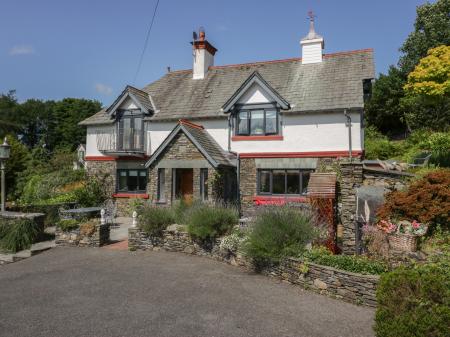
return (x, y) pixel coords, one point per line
(16, 164)
(431, 29)
(8, 105)
(427, 91)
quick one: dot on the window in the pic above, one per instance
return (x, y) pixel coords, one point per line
(131, 131)
(257, 122)
(283, 182)
(161, 194)
(131, 180)
(204, 184)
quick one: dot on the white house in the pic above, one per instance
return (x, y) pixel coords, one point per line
(253, 131)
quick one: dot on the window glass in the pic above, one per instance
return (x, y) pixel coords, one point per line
(204, 184)
(278, 182)
(123, 181)
(161, 184)
(126, 134)
(305, 181)
(293, 182)
(243, 123)
(257, 122)
(142, 180)
(137, 133)
(132, 180)
(271, 121)
(264, 181)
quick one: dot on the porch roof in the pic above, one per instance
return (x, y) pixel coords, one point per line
(202, 140)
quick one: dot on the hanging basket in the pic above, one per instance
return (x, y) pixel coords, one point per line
(403, 242)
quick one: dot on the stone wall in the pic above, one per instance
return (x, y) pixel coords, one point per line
(76, 238)
(247, 185)
(389, 180)
(352, 287)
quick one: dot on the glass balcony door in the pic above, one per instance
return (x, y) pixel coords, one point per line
(131, 133)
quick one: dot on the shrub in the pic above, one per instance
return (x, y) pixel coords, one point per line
(278, 232)
(234, 241)
(378, 146)
(18, 234)
(207, 221)
(88, 228)
(414, 302)
(68, 224)
(153, 219)
(426, 200)
(94, 191)
(352, 263)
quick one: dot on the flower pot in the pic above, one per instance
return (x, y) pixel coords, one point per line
(403, 242)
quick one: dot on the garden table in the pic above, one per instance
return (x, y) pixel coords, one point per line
(84, 212)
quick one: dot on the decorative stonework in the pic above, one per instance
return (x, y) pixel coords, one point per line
(75, 237)
(352, 287)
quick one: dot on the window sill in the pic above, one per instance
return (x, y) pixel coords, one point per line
(131, 195)
(278, 200)
(251, 138)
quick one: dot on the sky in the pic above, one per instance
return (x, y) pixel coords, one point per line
(51, 49)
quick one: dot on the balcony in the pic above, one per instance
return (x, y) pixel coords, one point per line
(128, 143)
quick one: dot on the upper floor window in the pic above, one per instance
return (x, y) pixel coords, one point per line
(257, 122)
(131, 131)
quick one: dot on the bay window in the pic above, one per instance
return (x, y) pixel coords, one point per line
(131, 131)
(257, 122)
(283, 182)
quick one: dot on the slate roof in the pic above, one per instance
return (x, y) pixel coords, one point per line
(334, 84)
(205, 143)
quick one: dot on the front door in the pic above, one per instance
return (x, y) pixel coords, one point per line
(184, 188)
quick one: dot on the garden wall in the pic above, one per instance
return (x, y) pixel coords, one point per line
(76, 237)
(352, 287)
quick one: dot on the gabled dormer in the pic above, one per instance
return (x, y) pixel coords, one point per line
(128, 111)
(255, 110)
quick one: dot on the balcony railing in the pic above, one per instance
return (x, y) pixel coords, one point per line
(126, 142)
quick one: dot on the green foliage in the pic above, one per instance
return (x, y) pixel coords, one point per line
(68, 224)
(153, 219)
(278, 232)
(93, 191)
(378, 146)
(414, 302)
(352, 263)
(18, 234)
(207, 221)
(16, 164)
(8, 117)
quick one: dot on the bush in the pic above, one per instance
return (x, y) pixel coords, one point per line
(18, 234)
(378, 146)
(153, 219)
(352, 263)
(93, 191)
(206, 221)
(278, 232)
(67, 225)
(426, 200)
(414, 302)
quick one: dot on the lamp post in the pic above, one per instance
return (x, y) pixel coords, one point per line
(5, 151)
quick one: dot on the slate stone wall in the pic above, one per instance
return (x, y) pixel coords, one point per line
(75, 238)
(248, 187)
(351, 287)
(389, 181)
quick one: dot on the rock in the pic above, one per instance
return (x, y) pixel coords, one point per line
(320, 284)
(189, 250)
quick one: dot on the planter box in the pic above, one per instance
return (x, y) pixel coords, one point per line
(403, 242)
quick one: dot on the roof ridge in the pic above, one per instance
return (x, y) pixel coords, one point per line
(191, 124)
(291, 59)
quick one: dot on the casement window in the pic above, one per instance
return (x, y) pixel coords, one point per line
(130, 180)
(283, 182)
(204, 184)
(161, 193)
(257, 122)
(131, 131)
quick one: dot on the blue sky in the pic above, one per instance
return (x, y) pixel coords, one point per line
(51, 49)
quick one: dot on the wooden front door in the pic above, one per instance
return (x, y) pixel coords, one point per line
(185, 184)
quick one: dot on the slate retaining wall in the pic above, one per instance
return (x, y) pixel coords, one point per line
(351, 287)
(75, 238)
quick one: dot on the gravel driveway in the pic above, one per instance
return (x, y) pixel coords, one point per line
(102, 292)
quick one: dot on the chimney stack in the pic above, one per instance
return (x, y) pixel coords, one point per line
(203, 53)
(312, 44)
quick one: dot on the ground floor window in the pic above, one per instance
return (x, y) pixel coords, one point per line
(131, 180)
(204, 184)
(161, 184)
(283, 182)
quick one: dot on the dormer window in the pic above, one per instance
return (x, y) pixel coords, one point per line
(131, 131)
(257, 122)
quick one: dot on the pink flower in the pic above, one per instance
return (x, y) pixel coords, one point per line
(415, 224)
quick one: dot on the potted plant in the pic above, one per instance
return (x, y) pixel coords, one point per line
(402, 236)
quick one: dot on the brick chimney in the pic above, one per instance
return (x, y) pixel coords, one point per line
(203, 53)
(312, 44)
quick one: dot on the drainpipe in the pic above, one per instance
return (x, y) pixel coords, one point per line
(349, 125)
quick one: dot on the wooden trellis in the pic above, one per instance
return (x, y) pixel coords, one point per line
(322, 196)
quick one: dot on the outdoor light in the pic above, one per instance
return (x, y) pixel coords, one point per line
(5, 151)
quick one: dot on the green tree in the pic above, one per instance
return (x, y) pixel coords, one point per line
(35, 117)
(16, 164)
(8, 105)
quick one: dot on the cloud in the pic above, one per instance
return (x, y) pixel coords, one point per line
(103, 89)
(22, 50)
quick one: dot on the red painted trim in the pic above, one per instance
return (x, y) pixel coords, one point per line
(319, 154)
(249, 138)
(277, 200)
(131, 195)
(188, 123)
(108, 158)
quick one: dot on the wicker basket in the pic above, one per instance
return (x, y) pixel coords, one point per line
(403, 242)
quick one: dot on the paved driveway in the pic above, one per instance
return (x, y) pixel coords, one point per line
(102, 292)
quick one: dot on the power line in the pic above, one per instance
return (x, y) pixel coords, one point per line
(145, 43)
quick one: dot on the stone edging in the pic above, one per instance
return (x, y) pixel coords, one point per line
(340, 284)
(74, 238)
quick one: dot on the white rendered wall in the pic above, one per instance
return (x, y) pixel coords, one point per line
(91, 138)
(128, 104)
(311, 51)
(254, 94)
(202, 61)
